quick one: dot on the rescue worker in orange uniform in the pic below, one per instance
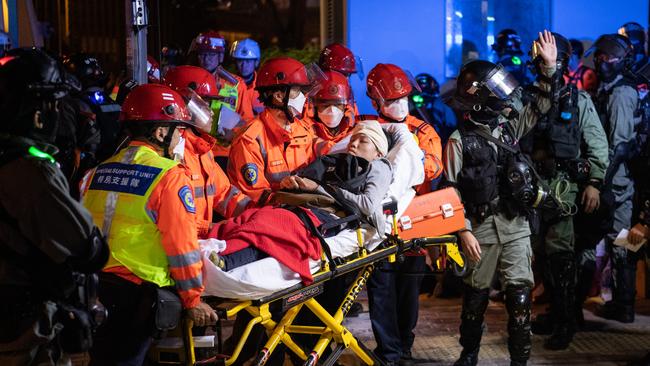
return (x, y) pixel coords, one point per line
(388, 86)
(279, 141)
(143, 201)
(337, 57)
(212, 189)
(333, 111)
(246, 54)
(392, 289)
(209, 48)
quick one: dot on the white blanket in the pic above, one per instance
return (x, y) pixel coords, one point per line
(267, 276)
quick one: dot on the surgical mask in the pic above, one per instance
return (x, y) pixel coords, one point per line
(297, 103)
(179, 150)
(397, 110)
(331, 116)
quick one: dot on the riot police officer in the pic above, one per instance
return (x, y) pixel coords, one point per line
(616, 104)
(45, 235)
(636, 34)
(89, 130)
(509, 54)
(496, 185)
(554, 146)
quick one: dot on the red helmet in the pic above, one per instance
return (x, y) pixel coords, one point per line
(339, 58)
(154, 103)
(387, 81)
(334, 89)
(196, 78)
(209, 41)
(153, 70)
(282, 71)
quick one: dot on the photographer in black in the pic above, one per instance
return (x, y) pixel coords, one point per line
(49, 246)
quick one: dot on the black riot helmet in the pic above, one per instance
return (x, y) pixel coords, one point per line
(86, 69)
(428, 84)
(31, 83)
(483, 88)
(636, 34)
(564, 51)
(507, 41)
(613, 55)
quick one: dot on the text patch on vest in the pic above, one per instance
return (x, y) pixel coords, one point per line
(124, 178)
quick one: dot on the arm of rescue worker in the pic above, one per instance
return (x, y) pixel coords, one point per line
(593, 137)
(244, 102)
(453, 163)
(229, 201)
(377, 183)
(429, 142)
(246, 167)
(172, 205)
(35, 193)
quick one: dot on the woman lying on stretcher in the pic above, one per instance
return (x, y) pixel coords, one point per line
(355, 182)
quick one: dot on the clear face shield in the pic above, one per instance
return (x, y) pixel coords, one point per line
(200, 110)
(316, 78)
(501, 83)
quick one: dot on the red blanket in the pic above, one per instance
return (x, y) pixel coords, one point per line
(275, 231)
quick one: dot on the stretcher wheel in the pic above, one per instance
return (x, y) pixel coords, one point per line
(457, 268)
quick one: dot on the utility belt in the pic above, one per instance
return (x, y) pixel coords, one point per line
(479, 212)
(159, 308)
(578, 170)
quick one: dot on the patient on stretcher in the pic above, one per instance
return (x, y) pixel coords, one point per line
(355, 183)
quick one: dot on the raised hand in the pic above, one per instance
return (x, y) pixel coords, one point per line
(546, 47)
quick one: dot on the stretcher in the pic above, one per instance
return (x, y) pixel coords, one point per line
(424, 224)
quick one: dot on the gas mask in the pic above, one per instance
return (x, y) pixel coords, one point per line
(331, 116)
(397, 109)
(521, 184)
(525, 190)
(607, 71)
(297, 103)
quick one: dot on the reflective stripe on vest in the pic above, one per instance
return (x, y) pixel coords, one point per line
(117, 197)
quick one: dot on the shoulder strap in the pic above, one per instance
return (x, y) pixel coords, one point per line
(496, 141)
(310, 225)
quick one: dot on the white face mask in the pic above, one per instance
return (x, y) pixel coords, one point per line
(331, 116)
(297, 103)
(179, 150)
(397, 110)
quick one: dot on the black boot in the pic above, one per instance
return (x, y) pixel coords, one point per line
(475, 303)
(621, 307)
(518, 303)
(563, 270)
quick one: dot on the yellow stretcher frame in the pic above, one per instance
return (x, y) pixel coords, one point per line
(297, 297)
(279, 332)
